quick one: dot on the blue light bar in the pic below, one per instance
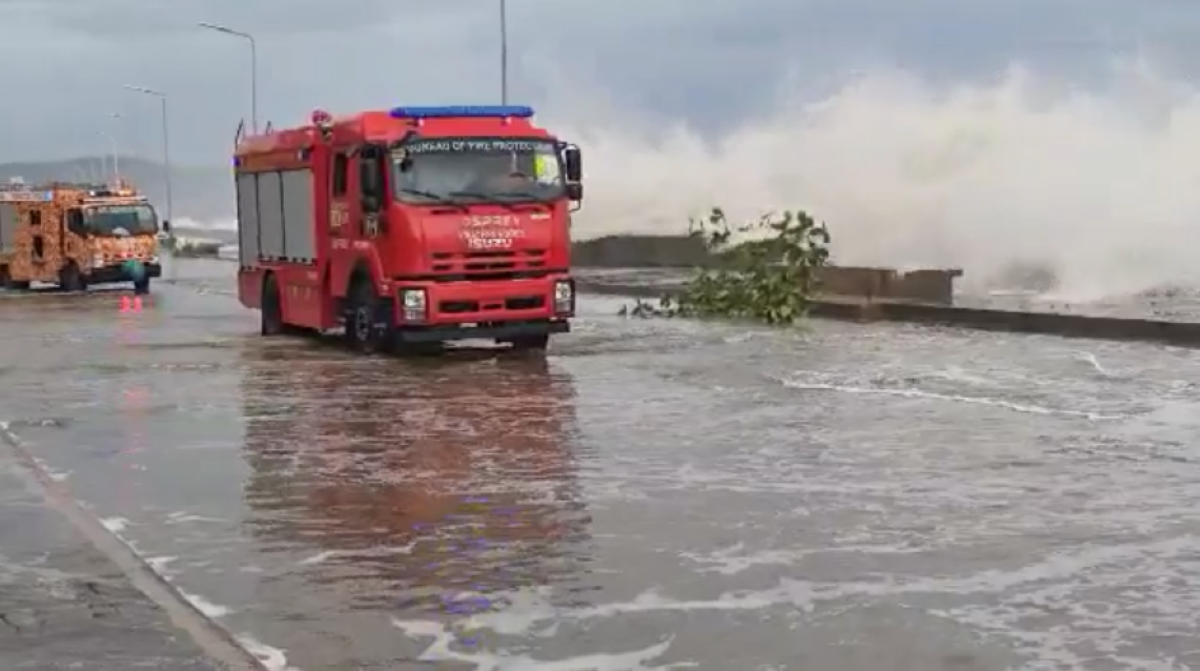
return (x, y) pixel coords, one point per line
(475, 111)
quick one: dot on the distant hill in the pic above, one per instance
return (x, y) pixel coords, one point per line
(203, 194)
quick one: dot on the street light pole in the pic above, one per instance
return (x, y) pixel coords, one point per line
(503, 52)
(166, 143)
(253, 67)
(116, 152)
(113, 141)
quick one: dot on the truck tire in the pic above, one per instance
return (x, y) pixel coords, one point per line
(70, 279)
(535, 343)
(362, 311)
(271, 314)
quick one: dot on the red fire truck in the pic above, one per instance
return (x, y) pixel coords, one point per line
(410, 227)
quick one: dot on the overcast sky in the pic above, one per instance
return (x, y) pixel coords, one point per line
(708, 61)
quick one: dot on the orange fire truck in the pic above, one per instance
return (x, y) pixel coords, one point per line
(76, 235)
(408, 227)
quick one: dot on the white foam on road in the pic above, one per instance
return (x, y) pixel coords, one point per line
(115, 524)
(1016, 598)
(272, 658)
(208, 608)
(915, 393)
(445, 639)
(159, 564)
(184, 517)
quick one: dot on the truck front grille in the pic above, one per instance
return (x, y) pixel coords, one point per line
(472, 263)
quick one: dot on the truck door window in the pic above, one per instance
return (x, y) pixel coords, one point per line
(341, 165)
(120, 220)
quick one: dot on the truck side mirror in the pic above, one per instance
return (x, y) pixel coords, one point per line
(573, 159)
(575, 191)
(403, 161)
(75, 221)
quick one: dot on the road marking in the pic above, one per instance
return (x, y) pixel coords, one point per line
(215, 640)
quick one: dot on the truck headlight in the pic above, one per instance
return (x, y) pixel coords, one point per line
(564, 297)
(413, 305)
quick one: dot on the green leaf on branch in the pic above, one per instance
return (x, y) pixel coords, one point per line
(770, 278)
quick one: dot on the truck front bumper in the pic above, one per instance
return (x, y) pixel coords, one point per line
(118, 273)
(483, 331)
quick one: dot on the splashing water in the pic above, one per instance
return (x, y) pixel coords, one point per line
(1098, 186)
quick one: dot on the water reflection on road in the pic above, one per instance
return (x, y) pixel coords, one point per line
(435, 483)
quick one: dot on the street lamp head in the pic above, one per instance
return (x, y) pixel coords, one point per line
(143, 89)
(227, 30)
(222, 29)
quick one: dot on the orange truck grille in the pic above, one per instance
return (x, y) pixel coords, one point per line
(111, 252)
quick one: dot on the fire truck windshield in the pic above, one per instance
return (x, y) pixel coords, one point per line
(120, 220)
(478, 169)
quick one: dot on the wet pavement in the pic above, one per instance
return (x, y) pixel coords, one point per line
(658, 494)
(64, 605)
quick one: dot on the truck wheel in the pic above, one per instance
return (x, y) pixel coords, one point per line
(362, 311)
(537, 343)
(70, 279)
(271, 314)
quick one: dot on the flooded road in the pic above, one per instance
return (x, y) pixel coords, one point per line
(655, 495)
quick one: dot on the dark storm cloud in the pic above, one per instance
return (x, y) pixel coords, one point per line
(711, 61)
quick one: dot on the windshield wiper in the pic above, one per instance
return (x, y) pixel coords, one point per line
(439, 199)
(490, 197)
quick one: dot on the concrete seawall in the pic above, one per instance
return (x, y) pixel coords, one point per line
(664, 251)
(859, 294)
(1183, 334)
